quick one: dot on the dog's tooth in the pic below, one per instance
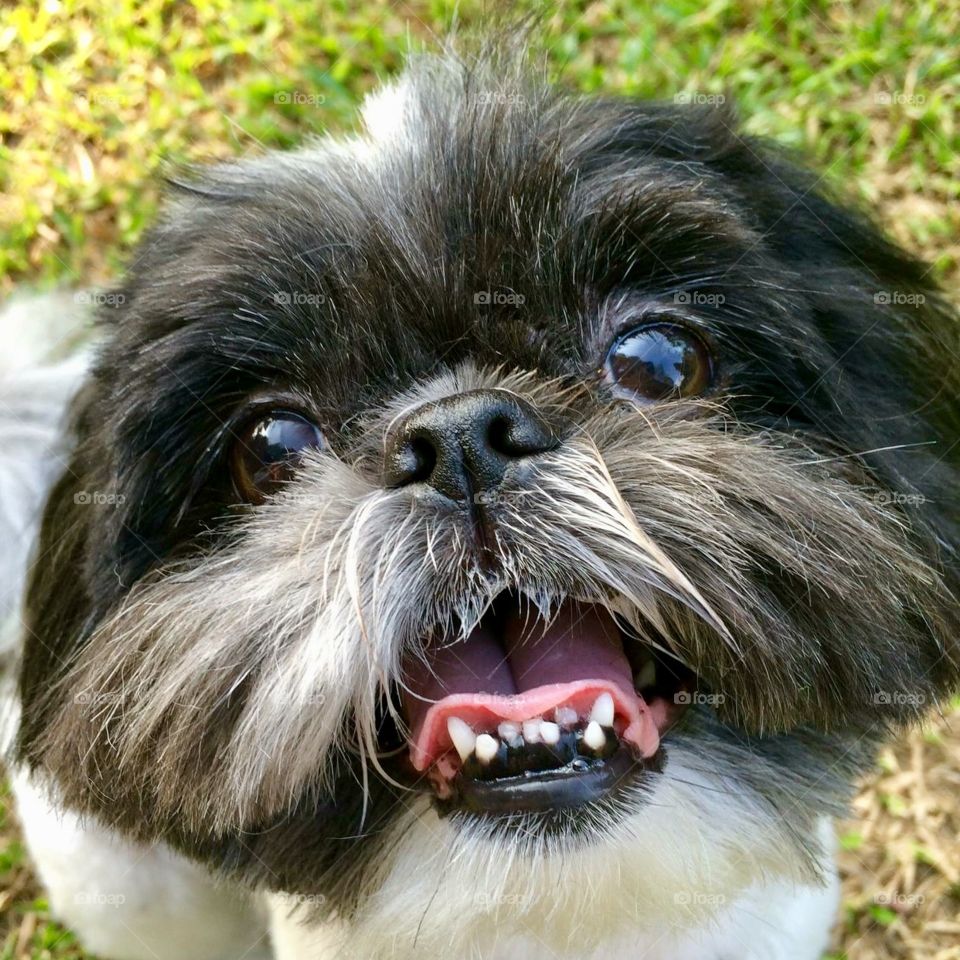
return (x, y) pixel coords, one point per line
(462, 735)
(646, 676)
(508, 731)
(487, 747)
(594, 737)
(602, 712)
(565, 716)
(549, 732)
(531, 731)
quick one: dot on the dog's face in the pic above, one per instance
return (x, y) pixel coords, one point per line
(551, 492)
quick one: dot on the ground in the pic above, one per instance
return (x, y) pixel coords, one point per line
(99, 100)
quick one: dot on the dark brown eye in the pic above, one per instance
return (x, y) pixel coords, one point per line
(659, 361)
(268, 450)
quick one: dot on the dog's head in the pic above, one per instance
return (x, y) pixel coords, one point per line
(552, 492)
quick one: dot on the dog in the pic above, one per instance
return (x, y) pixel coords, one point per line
(506, 531)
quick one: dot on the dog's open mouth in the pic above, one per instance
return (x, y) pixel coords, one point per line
(530, 715)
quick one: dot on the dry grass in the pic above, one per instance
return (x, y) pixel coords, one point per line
(95, 98)
(901, 855)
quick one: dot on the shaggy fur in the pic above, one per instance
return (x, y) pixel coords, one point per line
(220, 677)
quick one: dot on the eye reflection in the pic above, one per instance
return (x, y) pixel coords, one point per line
(659, 361)
(268, 450)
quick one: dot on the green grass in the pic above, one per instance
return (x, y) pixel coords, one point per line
(97, 100)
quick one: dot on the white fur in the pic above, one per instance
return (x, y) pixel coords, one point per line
(129, 902)
(34, 389)
(767, 921)
(40, 329)
(696, 872)
(385, 112)
(772, 922)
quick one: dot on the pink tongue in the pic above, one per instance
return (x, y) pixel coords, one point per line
(583, 641)
(526, 673)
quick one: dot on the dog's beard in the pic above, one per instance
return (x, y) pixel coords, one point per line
(226, 688)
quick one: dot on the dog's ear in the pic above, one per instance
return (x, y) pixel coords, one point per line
(896, 339)
(64, 587)
(886, 338)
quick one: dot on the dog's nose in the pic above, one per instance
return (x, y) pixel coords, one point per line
(462, 445)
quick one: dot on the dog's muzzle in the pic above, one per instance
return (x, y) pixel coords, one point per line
(525, 713)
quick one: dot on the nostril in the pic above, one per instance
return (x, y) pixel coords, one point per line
(414, 460)
(499, 436)
(519, 433)
(423, 459)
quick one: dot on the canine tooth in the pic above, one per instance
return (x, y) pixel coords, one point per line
(462, 735)
(594, 737)
(508, 731)
(549, 732)
(647, 676)
(487, 747)
(565, 716)
(531, 731)
(602, 712)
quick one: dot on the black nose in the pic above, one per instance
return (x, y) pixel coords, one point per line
(462, 445)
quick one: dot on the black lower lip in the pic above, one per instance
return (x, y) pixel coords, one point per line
(563, 788)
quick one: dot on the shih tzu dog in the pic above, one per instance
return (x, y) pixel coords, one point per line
(506, 532)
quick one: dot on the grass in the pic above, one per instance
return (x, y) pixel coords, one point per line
(98, 100)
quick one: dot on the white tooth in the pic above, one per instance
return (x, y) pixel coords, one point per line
(549, 732)
(509, 731)
(646, 677)
(594, 737)
(602, 711)
(487, 747)
(531, 731)
(565, 716)
(462, 735)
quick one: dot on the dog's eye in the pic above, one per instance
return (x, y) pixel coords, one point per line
(659, 361)
(267, 451)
